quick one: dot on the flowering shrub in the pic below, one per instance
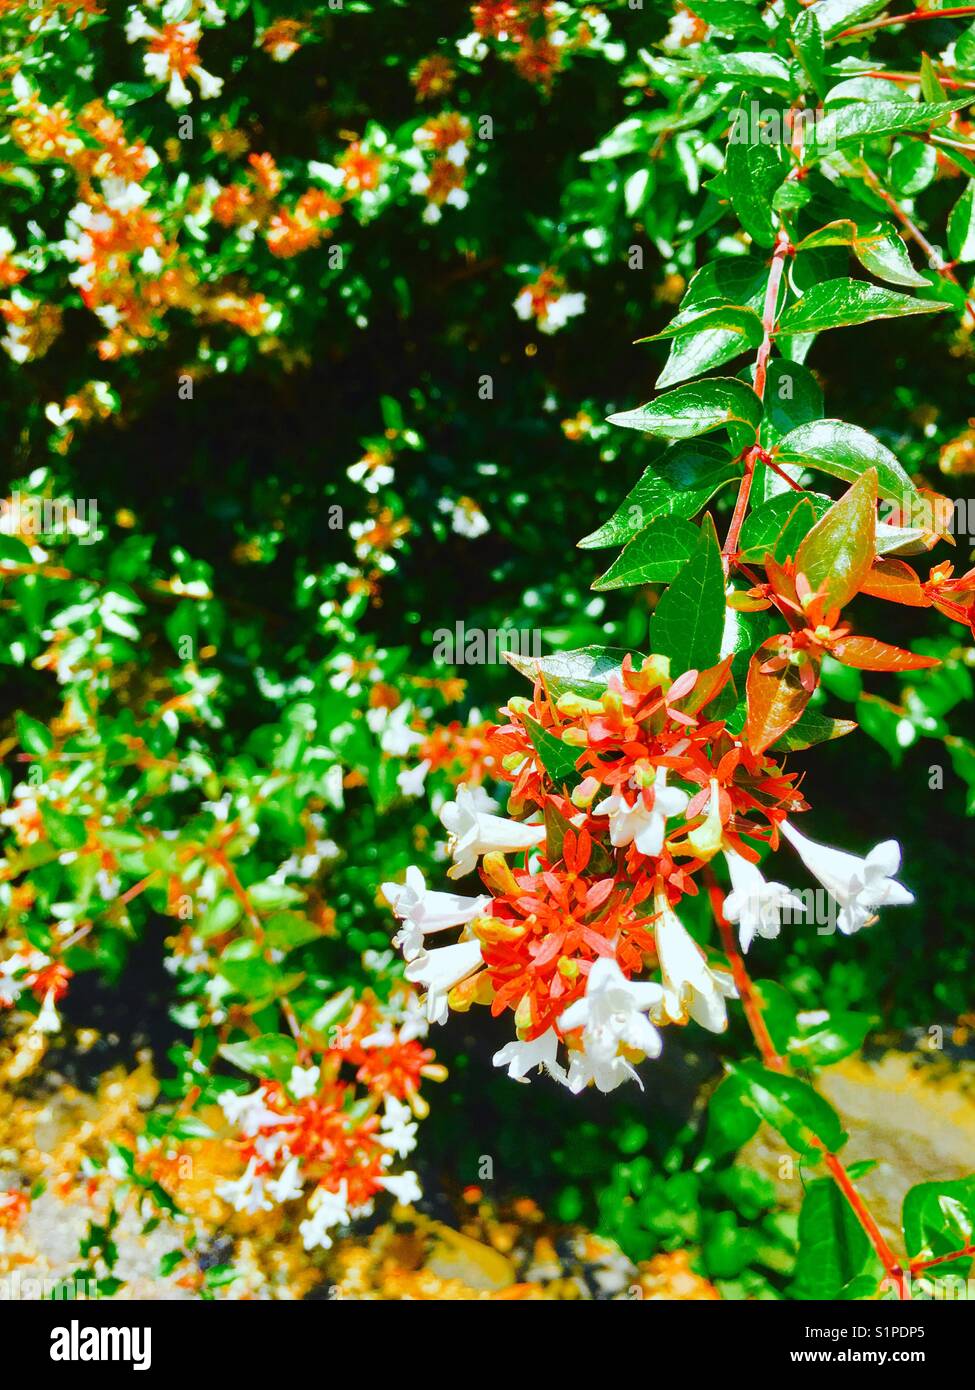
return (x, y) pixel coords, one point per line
(290, 334)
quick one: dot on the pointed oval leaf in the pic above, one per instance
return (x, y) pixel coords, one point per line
(654, 556)
(695, 409)
(844, 303)
(688, 622)
(840, 548)
(845, 451)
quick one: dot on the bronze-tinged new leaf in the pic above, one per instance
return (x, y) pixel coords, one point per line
(895, 581)
(837, 553)
(775, 699)
(870, 654)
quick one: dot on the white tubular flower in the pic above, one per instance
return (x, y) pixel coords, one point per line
(691, 987)
(48, 1020)
(249, 1112)
(405, 1187)
(558, 311)
(522, 1057)
(248, 1193)
(523, 305)
(634, 824)
(138, 27)
(411, 781)
(178, 94)
(754, 903)
(611, 1015)
(10, 989)
(398, 1127)
(288, 1185)
(858, 885)
(327, 1209)
(423, 912)
(439, 971)
(210, 86)
(473, 832)
(304, 1081)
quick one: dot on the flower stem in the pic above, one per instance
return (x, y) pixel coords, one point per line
(889, 20)
(918, 1265)
(775, 1062)
(935, 259)
(783, 248)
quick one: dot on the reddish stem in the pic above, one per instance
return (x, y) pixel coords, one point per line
(935, 259)
(743, 984)
(952, 83)
(783, 248)
(918, 1265)
(915, 16)
(887, 1258)
(775, 1062)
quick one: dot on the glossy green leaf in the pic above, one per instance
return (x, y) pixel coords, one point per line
(695, 409)
(558, 759)
(838, 551)
(846, 303)
(833, 1247)
(688, 622)
(753, 172)
(961, 226)
(679, 483)
(792, 1108)
(877, 247)
(845, 451)
(585, 670)
(653, 556)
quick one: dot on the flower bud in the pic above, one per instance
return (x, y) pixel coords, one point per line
(573, 705)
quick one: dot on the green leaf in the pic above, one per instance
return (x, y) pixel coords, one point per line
(866, 120)
(833, 1247)
(33, 736)
(653, 556)
(793, 397)
(779, 525)
(792, 1108)
(271, 1054)
(835, 15)
(255, 978)
(846, 452)
(840, 548)
(688, 622)
(64, 831)
(727, 280)
(822, 1044)
(961, 226)
(329, 1013)
(877, 247)
(585, 670)
(731, 1123)
(558, 759)
(912, 167)
(810, 47)
(845, 303)
(939, 1218)
(706, 341)
(753, 172)
(765, 70)
(931, 88)
(695, 409)
(287, 930)
(679, 483)
(811, 728)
